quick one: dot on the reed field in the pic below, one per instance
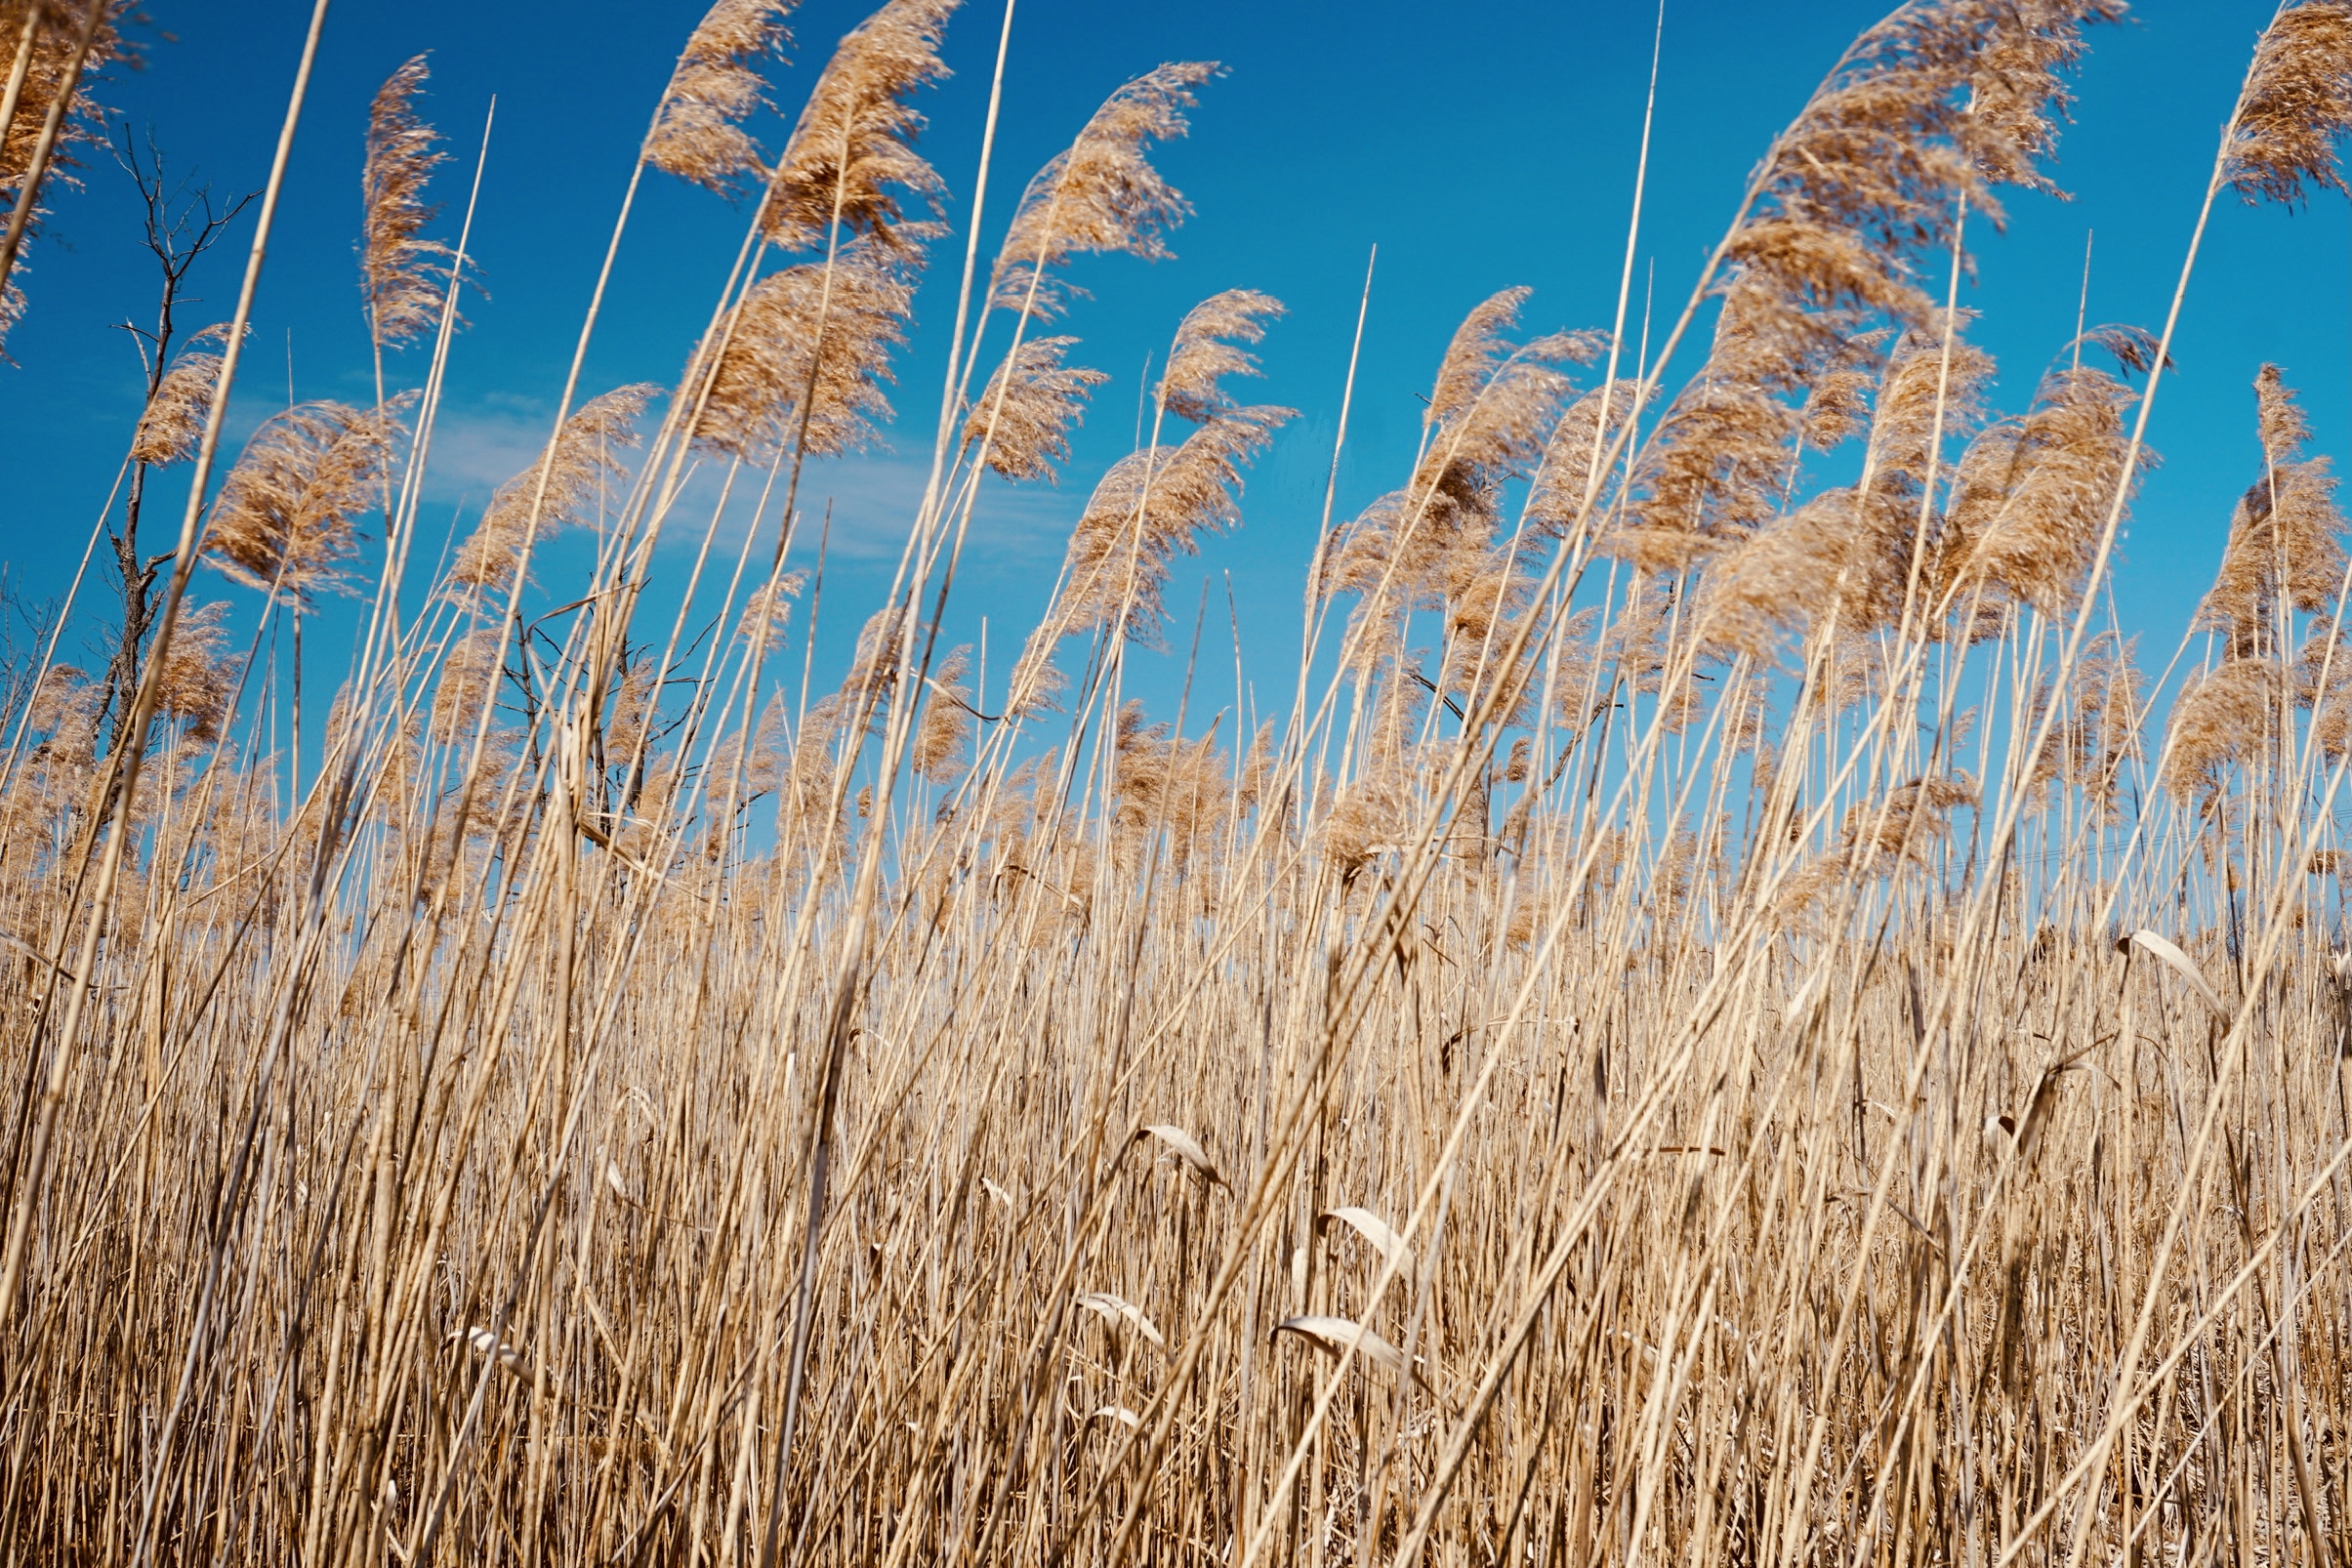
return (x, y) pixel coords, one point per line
(1723, 1012)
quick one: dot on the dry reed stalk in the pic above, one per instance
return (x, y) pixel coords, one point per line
(511, 1147)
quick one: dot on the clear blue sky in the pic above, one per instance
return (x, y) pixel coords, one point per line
(1479, 147)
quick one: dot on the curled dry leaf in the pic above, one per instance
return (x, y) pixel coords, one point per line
(1384, 1238)
(1816, 985)
(1334, 1334)
(1116, 1309)
(1186, 1148)
(2156, 947)
(482, 1342)
(1117, 1413)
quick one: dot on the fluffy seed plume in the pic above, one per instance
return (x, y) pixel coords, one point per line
(1153, 504)
(2298, 104)
(469, 678)
(853, 148)
(2217, 718)
(941, 737)
(579, 463)
(2286, 541)
(1868, 179)
(200, 674)
(1166, 790)
(796, 324)
(2100, 728)
(695, 133)
(1491, 412)
(1206, 351)
(1850, 549)
(1563, 480)
(47, 58)
(2031, 496)
(285, 518)
(1026, 434)
(768, 612)
(173, 420)
(399, 272)
(1099, 194)
(1940, 99)
(1037, 681)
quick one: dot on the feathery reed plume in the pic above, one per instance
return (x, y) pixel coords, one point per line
(2100, 731)
(741, 774)
(837, 324)
(399, 274)
(1491, 411)
(1180, 789)
(284, 518)
(1206, 351)
(633, 711)
(1940, 99)
(1849, 550)
(1565, 473)
(808, 777)
(2298, 104)
(1365, 819)
(1153, 504)
(2323, 684)
(63, 709)
(2217, 717)
(1718, 462)
(469, 679)
(1870, 175)
(941, 737)
(173, 420)
(47, 64)
(1037, 682)
(200, 674)
(768, 612)
(2030, 496)
(1150, 507)
(2286, 540)
(695, 134)
(1100, 195)
(1483, 591)
(580, 465)
(854, 139)
(1877, 838)
(48, 38)
(1043, 399)
(874, 661)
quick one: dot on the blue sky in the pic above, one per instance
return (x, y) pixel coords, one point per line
(1480, 148)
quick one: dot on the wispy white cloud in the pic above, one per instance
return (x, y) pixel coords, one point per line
(874, 495)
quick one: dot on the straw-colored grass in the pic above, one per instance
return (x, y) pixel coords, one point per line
(1722, 1026)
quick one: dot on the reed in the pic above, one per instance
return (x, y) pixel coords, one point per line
(1730, 1021)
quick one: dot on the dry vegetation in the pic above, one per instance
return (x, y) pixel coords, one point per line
(1721, 1027)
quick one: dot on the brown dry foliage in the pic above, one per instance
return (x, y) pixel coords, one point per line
(2297, 105)
(697, 133)
(401, 272)
(1023, 421)
(286, 520)
(806, 357)
(1100, 195)
(576, 473)
(852, 151)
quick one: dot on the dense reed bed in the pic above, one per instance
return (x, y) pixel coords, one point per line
(1722, 1025)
